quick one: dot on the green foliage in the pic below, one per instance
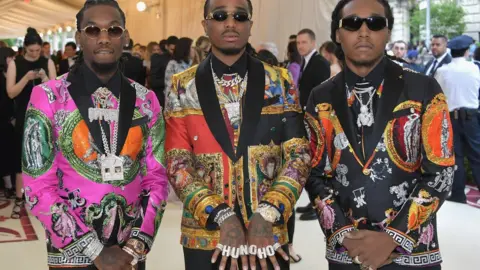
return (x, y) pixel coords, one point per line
(10, 42)
(446, 18)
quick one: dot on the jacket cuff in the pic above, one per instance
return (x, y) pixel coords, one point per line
(143, 237)
(404, 242)
(335, 241)
(203, 207)
(77, 247)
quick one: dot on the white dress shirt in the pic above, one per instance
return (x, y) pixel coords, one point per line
(460, 81)
(308, 57)
(439, 60)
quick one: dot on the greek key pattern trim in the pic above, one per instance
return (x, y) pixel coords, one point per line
(60, 260)
(333, 240)
(334, 256)
(424, 259)
(78, 246)
(402, 240)
(142, 236)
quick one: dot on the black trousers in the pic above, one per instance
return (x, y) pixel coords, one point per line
(141, 266)
(202, 260)
(291, 227)
(333, 266)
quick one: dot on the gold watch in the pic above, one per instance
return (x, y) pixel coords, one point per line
(137, 246)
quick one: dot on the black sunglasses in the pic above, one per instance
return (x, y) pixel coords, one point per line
(93, 31)
(222, 15)
(353, 23)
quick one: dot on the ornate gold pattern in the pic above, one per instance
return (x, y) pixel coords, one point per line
(409, 104)
(279, 200)
(210, 200)
(183, 113)
(317, 141)
(209, 167)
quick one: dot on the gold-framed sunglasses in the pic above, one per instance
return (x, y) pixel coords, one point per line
(93, 31)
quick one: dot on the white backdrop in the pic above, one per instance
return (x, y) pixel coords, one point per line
(274, 20)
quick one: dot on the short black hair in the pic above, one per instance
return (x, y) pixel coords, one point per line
(458, 53)
(308, 32)
(5, 53)
(172, 40)
(71, 44)
(182, 50)
(207, 3)
(292, 36)
(337, 16)
(329, 46)
(32, 38)
(90, 3)
(293, 54)
(163, 45)
(440, 36)
(45, 43)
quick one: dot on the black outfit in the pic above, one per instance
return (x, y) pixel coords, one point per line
(316, 71)
(21, 102)
(64, 67)
(333, 266)
(7, 136)
(132, 68)
(157, 75)
(446, 60)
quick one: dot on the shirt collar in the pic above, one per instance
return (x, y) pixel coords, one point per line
(440, 59)
(309, 56)
(221, 68)
(375, 77)
(92, 82)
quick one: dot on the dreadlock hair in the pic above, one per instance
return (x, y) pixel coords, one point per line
(337, 16)
(207, 4)
(88, 4)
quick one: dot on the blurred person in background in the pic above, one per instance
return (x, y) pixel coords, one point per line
(328, 52)
(181, 60)
(152, 48)
(267, 57)
(69, 61)
(46, 50)
(158, 67)
(22, 75)
(294, 61)
(136, 51)
(20, 52)
(7, 135)
(132, 67)
(196, 56)
(399, 49)
(413, 63)
(440, 55)
(163, 46)
(203, 44)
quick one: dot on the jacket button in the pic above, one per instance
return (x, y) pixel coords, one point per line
(366, 172)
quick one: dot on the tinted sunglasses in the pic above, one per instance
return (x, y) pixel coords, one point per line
(222, 15)
(92, 31)
(353, 23)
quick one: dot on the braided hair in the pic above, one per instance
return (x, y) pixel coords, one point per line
(88, 4)
(337, 16)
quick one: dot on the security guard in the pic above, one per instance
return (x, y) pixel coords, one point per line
(460, 80)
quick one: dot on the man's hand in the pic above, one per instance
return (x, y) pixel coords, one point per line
(113, 258)
(260, 234)
(372, 249)
(232, 235)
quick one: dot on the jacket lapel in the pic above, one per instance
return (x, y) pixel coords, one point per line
(83, 101)
(253, 104)
(340, 105)
(392, 88)
(128, 98)
(207, 97)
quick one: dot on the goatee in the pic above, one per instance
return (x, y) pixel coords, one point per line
(230, 51)
(104, 68)
(365, 63)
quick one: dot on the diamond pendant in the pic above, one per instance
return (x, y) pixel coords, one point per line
(111, 167)
(365, 118)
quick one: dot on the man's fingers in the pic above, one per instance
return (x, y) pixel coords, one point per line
(275, 264)
(263, 264)
(223, 263)
(233, 264)
(283, 254)
(253, 262)
(215, 255)
(244, 262)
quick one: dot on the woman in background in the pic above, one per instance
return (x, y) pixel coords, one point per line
(328, 52)
(22, 75)
(294, 61)
(182, 60)
(7, 136)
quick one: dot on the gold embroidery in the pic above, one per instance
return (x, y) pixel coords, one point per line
(183, 113)
(410, 104)
(209, 167)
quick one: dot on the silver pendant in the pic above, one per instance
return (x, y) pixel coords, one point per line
(109, 115)
(233, 111)
(111, 167)
(365, 118)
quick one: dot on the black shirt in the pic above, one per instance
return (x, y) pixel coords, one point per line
(92, 82)
(239, 67)
(375, 78)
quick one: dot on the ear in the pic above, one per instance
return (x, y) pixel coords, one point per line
(204, 24)
(337, 36)
(126, 38)
(78, 38)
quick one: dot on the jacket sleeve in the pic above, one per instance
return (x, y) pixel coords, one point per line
(332, 218)
(437, 165)
(66, 229)
(288, 185)
(196, 196)
(154, 180)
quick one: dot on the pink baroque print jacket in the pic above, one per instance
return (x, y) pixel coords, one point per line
(62, 180)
